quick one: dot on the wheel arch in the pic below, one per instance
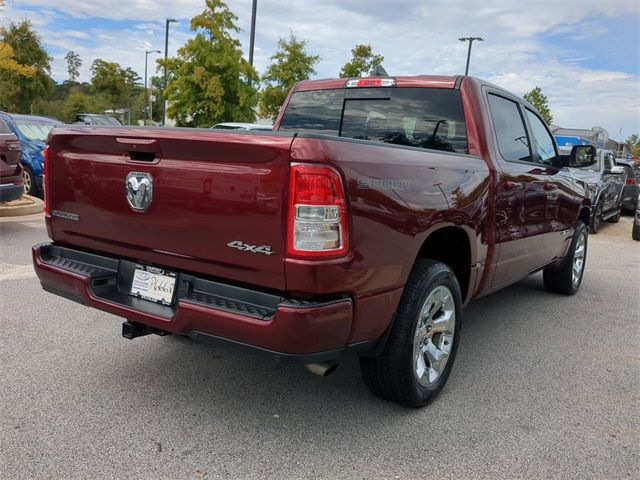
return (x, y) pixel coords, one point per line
(451, 245)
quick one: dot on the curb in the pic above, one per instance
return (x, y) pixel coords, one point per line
(26, 205)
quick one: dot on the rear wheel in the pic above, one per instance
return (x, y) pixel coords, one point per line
(29, 181)
(615, 218)
(597, 218)
(567, 279)
(417, 359)
(635, 233)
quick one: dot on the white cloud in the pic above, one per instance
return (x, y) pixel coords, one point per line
(416, 37)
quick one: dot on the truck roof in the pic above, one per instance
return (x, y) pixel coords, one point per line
(424, 81)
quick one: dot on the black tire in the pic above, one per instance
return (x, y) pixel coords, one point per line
(615, 218)
(561, 280)
(635, 232)
(596, 220)
(392, 375)
(29, 179)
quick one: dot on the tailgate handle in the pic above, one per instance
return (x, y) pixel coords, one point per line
(140, 149)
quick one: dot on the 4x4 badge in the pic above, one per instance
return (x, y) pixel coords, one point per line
(264, 249)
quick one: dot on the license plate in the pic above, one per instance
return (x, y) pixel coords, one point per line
(153, 284)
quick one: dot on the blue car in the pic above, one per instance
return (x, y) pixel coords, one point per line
(32, 131)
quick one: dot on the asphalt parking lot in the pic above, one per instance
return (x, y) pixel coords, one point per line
(544, 386)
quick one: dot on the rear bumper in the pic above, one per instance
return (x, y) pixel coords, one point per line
(288, 329)
(10, 192)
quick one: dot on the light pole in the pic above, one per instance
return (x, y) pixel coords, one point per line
(166, 51)
(470, 40)
(252, 40)
(146, 91)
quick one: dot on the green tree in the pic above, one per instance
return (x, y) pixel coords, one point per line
(289, 65)
(17, 90)
(363, 60)
(118, 85)
(536, 98)
(633, 142)
(209, 80)
(74, 62)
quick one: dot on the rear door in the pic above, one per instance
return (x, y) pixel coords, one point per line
(613, 182)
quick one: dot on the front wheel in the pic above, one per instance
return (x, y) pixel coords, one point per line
(421, 348)
(567, 279)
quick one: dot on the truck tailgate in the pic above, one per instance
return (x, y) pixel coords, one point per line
(217, 203)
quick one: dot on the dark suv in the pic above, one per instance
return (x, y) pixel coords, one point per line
(606, 181)
(10, 169)
(631, 188)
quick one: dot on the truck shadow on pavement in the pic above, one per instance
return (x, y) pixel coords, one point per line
(204, 383)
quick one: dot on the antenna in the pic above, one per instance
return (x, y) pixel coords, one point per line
(379, 71)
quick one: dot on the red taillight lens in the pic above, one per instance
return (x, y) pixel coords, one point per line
(317, 222)
(631, 181)
(45, 181)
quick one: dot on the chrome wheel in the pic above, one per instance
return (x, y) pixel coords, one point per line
(434, 335)
(578, 259)
(26, 181)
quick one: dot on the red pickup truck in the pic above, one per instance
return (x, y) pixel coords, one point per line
(377, 209)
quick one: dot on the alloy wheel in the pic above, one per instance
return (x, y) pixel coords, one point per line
(434, 336)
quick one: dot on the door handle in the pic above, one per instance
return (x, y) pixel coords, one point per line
(148, 145)
(509, 185)
(549, 187)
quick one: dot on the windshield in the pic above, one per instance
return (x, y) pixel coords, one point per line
(416, 117)
(35, 129)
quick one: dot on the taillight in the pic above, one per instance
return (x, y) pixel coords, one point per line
(631, 181)
(45, 181)
(317, 221)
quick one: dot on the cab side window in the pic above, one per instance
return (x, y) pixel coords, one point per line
(608, 161)
(513, 141)
(544, 143)
(3, 128)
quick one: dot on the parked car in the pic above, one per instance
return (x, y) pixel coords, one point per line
(393, 202)
(32, 131)
(95, 119)
(10, 169)
(606, 181)
(242, 126)
(631, 189)
(635, 233)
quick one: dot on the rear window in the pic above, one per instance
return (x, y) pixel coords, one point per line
(430, 118)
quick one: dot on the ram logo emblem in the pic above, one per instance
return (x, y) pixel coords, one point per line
(139, 187)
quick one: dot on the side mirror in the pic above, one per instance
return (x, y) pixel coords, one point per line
(617, 170)
(582, 156)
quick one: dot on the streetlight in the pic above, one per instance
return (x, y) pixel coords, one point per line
(146, 92)
(166, 50)
(470, 40)
(252, 40)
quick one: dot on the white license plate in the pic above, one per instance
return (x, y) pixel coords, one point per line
(153, 284)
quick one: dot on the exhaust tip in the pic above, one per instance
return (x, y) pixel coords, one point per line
(323, 369)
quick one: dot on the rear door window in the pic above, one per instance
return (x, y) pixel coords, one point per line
(416, 117)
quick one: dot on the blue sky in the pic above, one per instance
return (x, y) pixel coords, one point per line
(583, 53)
